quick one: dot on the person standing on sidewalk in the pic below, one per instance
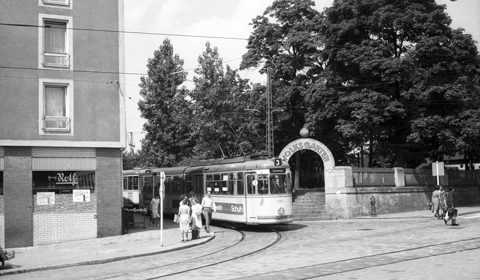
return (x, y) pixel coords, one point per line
(208, 207)
(436, 202)
(184, 218)
(196, 219)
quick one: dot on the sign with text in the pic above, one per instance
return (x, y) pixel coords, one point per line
(229, 208)
(81, 195)
(45, 198)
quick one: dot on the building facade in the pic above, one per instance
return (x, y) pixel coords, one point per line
(62, 120)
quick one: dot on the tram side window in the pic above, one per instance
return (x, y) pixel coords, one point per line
(262, 184)
(130, 183)
(168, 185)
(240, 188)
(125, 183)
(176, 184)
(135, 183)
(278, 183)
(189, 184)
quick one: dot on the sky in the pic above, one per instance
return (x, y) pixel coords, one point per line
(189, 24)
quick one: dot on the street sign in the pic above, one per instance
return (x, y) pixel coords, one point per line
(438, 168)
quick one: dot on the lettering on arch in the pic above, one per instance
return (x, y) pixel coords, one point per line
(309, 144)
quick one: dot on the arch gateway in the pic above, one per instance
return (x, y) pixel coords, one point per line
(309, 144)
(335, 177)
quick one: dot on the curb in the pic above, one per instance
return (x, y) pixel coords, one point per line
(397, 218)
(107, 260)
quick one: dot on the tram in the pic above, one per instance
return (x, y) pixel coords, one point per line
(246, 190)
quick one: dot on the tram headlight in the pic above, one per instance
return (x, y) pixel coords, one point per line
(281, 211)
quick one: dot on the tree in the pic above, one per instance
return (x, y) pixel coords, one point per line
(392, 79)
(218, 98)
(165, 108)
(285, 39)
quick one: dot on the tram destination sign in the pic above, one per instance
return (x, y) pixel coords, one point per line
(277, 170)
(229, 208)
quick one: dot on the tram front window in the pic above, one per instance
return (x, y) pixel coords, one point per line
(279, 184)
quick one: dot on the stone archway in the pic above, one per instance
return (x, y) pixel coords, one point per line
(309, 144)
(310, 204)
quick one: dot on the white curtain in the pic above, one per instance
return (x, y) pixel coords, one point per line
(55, 36)
(55, 106)
(55, 101)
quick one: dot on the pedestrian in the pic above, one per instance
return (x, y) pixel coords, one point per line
(452, 212)
(441, 204)
(196, 219)
(191, 197)
(436, 202)
(208, 207)
(184, 218)
(154, 208)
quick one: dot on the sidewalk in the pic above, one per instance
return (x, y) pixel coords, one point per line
(137, 242)
(422, 214)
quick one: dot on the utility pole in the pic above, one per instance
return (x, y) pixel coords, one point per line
(269, 124)
(131, 143)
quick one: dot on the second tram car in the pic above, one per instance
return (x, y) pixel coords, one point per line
(245, 190)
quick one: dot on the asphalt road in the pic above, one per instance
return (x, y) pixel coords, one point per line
(346, 249)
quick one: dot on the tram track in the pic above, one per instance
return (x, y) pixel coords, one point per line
(201, 261)
(333, 268)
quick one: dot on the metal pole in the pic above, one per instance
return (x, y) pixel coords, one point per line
(269, 124)
(438, 176)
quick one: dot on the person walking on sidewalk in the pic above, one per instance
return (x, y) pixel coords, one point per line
(451, 213)
(208, 207)
(184, 218)
(155, 208)
(436, 202)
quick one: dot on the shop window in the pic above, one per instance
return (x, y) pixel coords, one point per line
(63, 182)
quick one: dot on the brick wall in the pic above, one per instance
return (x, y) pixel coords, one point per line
(53, 228)
(109, 192)
(18, 199)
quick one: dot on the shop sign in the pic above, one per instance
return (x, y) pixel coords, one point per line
(81, 195)
(45, 198)
(64, 179)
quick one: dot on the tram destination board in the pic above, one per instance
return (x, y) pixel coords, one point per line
(277, 170)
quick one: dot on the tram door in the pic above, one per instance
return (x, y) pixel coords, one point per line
(251, 188)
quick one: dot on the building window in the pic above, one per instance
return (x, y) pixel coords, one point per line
(1, 182)
(56, 2)
(55, 112)
(55, 41)
(56, 104)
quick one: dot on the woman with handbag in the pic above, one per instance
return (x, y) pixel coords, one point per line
(208, 207)
(196, 218)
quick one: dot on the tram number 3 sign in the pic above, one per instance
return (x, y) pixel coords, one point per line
(278, 162)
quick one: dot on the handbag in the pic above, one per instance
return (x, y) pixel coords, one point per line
(175, 218)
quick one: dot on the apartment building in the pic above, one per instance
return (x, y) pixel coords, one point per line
(62, 120)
